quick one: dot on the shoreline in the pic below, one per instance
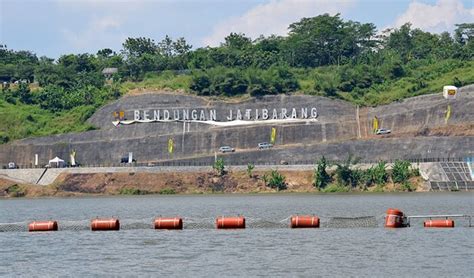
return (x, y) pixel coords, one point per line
(189, 183)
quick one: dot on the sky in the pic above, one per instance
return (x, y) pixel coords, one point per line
(55, 27)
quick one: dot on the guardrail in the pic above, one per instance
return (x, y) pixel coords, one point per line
(208, 161)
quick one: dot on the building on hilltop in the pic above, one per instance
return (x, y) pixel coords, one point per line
(108, 72)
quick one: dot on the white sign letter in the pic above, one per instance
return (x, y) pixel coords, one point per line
(136, 114)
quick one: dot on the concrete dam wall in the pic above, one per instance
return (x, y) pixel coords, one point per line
(302, 123)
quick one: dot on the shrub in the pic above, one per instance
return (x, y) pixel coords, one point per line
(344, 174)
(15, 191)
(167, 191)
(321, 177)
(250, 168)
(276, 180)
(219, 166)
(132, 191)
(379, 173)
(401, 171)
(332, 188)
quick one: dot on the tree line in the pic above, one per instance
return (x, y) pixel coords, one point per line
(339, 55)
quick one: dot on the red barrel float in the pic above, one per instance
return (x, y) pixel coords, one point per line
(237, 222)
(394, 219)
(111, 224)
(174, 223)
(439, 223)
(43, 226)
(304, 221)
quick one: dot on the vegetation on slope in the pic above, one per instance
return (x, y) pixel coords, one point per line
(324, 55)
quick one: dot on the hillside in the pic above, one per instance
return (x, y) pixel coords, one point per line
(323, 56)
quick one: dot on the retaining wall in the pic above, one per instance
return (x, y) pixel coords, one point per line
(334, 134)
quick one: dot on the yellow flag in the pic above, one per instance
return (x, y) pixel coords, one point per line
(448, 114)
(72, 157)
(273, 136)
(170, 145)
(375, 123)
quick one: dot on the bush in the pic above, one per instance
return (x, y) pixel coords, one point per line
(167, 191)
(132, 191)
(276, 180)
(379, 173)
(344, 174)
(401, 171)
(321, 177)
(250, 168)
(219, 166)
(332, 188)
(15, 191)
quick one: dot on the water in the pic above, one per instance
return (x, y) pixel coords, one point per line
(267, 247)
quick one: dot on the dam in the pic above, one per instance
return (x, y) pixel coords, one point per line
(301, 127)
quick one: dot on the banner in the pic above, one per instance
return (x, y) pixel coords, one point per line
(72, 157)
(170, 145)
(273, 135)
(448, 114)
(375, 124)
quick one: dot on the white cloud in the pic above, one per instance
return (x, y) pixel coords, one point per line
(99, 33)
(274, 18)
(438, 17)
(102, 22)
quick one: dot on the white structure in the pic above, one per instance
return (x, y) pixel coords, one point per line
(57, 163)
(450, 92)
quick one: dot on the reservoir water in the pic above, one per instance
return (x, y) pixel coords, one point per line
(267, 247)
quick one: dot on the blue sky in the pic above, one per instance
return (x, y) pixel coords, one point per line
(55, 27)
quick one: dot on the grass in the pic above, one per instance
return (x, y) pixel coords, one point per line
(22, 121)
(165, 80)
(132, 191)
(422, 77)
(334, 187)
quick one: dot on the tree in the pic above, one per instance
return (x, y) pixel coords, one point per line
(344, 173)
(325, 39)
(200, 83)
(321, 176)
(105, 53)
(237, 41)
(401, 171)
(379, 173)
(24, 93)
(166, 47)
(136, 47)
(464, 33)
(181, 47)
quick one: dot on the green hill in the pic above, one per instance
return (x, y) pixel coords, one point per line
(323, 55)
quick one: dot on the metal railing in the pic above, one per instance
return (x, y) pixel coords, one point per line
(208, 161)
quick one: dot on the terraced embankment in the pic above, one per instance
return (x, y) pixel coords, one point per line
(339, 129)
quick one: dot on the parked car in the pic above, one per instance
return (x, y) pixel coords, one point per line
(226, 149)
(125, 160)
(383, 131)
(264, 145)
(12, 165)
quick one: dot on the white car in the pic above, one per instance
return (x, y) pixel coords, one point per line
(264, 145)
(383, 131)
(226, 149)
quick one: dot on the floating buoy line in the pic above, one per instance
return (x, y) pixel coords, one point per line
(394, 218)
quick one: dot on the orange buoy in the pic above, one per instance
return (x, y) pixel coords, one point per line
(394, 219)
(42, 226)
(230, 222)
(304, 221)
(111, 224)
(174, 223)
(439, 223)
